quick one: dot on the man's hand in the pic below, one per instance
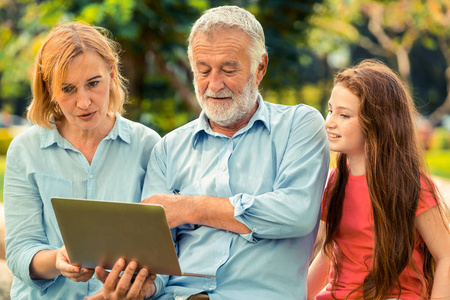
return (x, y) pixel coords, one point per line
(96, 296)
(70, 271)
(116, 287)
(177, 208)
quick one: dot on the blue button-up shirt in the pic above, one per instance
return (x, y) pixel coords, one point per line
(273, 171)
(41, 164)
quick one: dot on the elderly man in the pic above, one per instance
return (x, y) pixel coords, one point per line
(249, 174)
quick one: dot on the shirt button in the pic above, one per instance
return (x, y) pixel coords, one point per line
(221, 261)
(211, 288)
(229, 140)
(91, 176)
(224, 169)
(255, 230)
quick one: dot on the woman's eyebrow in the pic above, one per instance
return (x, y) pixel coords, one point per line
(95, 77)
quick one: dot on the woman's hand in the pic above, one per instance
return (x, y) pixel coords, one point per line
(73, 272)
(116, 287)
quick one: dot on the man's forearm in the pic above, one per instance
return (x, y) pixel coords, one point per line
(214, 212)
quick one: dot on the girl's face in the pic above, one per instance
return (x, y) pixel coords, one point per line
(342, 125)
(84, 95)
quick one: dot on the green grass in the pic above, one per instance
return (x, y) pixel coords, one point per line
(438, 162)
(2, 171)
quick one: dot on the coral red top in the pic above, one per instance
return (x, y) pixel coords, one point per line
(355, 240)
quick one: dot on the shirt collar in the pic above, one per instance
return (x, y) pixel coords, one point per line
(261, 114)
(121, 129)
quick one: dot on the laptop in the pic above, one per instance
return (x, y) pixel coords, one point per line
(100, 232)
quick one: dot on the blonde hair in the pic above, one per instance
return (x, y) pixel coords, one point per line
(63, 43)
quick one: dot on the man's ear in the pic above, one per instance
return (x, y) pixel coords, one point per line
(262, 68)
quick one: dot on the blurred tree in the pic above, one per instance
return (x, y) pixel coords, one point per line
(410, 35)
(438, 22)
(153, 37)
(20, 28)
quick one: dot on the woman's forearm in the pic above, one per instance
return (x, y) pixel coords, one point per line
(43, 265)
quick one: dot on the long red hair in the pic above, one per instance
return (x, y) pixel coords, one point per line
(394, 170)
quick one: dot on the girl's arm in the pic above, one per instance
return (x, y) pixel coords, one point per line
(318, 274)
(436, 235)
(319, 268)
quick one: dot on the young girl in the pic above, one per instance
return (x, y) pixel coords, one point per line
(386, 234)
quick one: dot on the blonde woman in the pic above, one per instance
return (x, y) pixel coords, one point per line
(80, 146)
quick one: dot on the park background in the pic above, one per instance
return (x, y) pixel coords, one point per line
(308, 42)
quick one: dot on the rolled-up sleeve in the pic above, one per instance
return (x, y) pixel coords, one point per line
(273, 172)
(293, 207)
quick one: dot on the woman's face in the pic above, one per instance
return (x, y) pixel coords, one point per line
(85, 91)
(342, 124)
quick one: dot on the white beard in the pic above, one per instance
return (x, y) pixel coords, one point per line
(227, 112)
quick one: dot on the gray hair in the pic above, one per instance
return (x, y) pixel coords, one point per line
(231, 17)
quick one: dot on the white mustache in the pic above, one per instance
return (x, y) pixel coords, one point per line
(224, 93)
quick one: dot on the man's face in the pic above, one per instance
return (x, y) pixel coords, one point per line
(225, 88)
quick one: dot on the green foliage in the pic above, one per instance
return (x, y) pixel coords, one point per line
(439, 162)
(23, 25)
(438, 155)
(440, 139)
(5, 139)
(307, 41)
(310, 94)
(161, 115)
(153, 37)
(2, 172)
(410, 36)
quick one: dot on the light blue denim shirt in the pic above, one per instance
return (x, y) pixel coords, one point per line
(41, 164)
(273, 171)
